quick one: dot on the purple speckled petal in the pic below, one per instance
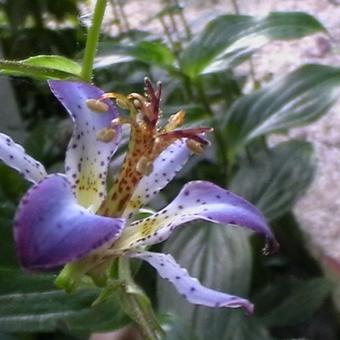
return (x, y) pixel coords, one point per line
(87, 159)
(197, 200)
(14, 156)
(189, 287)
(165, 168)
(52, 229)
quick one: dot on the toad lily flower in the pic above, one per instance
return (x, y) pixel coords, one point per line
(78, 220)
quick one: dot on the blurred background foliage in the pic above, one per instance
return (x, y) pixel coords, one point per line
(197, 68)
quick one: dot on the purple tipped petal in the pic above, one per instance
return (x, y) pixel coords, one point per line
(165, 168)
(52, 229)
(189, 287)
(197, 200)
(87, 158)
(14, 156)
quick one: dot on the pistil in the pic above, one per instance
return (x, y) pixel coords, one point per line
(146, 143)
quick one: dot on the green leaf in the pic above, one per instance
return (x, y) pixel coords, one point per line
(276, 178)
(138, 306)
(54, 62)
(229, 39)
(42, 67)
(31, 303)
(300, 305)
(220, 258)
(296, 99)
(150, 52)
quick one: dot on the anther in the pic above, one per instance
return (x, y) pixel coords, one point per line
(176, 120)
(195, 146)
(120, 121)
(106, 135)
(97, 105)
(144, 166)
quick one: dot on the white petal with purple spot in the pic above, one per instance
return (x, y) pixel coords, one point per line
(14, 156)
(165, 168)
(189, 287)
(87, 158)
(197, 200)
(52, 229)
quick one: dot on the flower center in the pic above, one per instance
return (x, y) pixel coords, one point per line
(147, 141)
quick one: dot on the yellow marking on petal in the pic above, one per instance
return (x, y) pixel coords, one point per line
(134, 234)
(97, 105)
(106, 135)
(88, 184)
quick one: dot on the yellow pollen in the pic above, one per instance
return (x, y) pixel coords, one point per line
(97, 105)
(194, 146)
(122, 103)
(106, 135)
(176, 120)
(144, 166)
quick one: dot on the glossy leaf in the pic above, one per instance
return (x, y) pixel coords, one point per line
(276, 178)
(220, 258)
(55, 62)
(31, 303)
(303, 302)
(229, 39)
(150, 52)
(40, 67)
(296, 99)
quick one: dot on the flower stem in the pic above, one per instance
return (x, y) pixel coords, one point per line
(137, 305)
(92, 40)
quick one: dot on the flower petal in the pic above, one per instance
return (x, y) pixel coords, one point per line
(14, 156)
(189, 287)
(197, 200)
(165, 168)
(52, 229)
(87, 158)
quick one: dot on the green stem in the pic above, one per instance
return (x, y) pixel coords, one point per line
(137, 305)
(202, 97)
(92, 40)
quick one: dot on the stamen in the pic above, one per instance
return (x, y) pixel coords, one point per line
(97, 105)
(106, 135)
(195, 147)
(144, 166)
(121, 101)
(175, 121)
(193, 133)
(120, 121)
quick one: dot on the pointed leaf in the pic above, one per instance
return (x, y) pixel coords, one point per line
(31, 303)
(298, 98)
(150, 52)
(25, 69)
(55, 62)
(230, 38)
(275, 179)
(304, 301)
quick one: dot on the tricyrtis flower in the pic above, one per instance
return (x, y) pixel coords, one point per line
(75, 219)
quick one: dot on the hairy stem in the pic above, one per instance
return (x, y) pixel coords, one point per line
(92, 40)
(137, 305)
